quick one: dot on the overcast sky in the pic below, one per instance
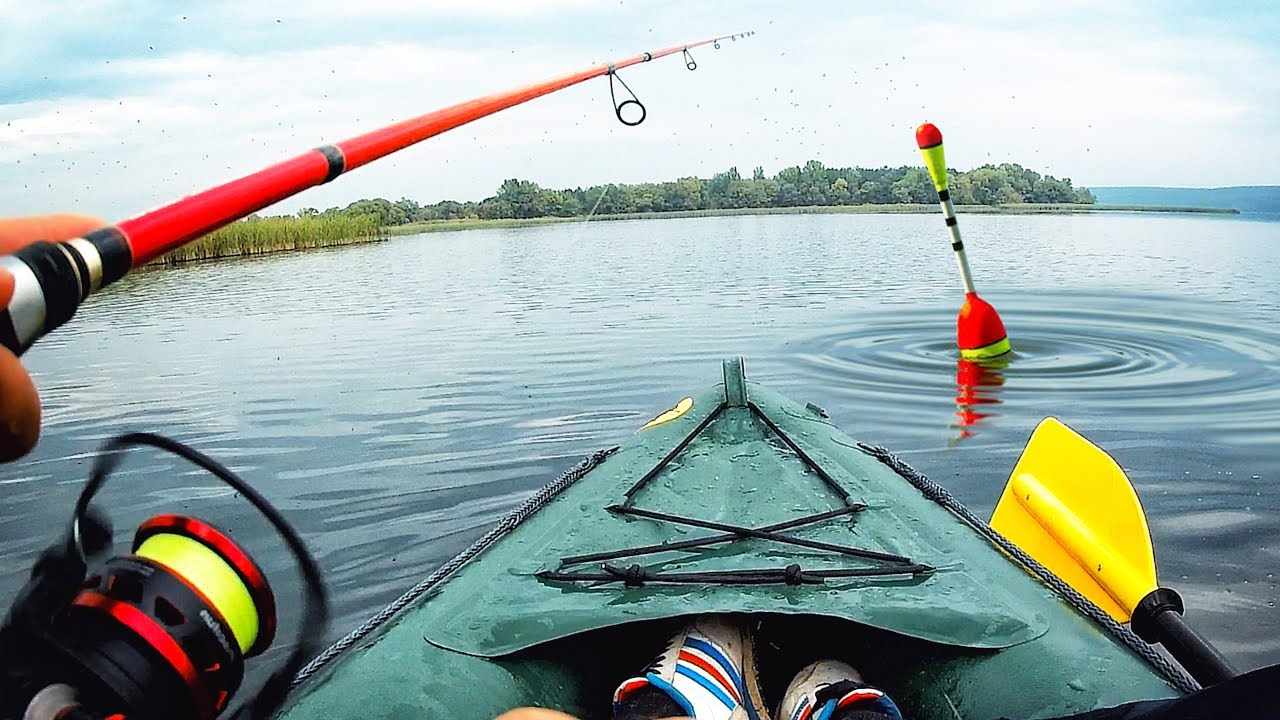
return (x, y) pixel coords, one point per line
(115, 107)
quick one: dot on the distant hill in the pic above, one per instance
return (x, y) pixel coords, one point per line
(1245, 198)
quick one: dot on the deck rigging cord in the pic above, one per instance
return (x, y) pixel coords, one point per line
(44, 283)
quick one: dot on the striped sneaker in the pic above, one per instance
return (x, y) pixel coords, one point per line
(701, 670)
(831, 689)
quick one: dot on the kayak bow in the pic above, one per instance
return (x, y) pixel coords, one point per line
(746, 503)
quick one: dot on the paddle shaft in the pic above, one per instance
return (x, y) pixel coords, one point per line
(1158, 619)
(1192, 651)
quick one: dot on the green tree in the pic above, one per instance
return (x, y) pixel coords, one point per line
(960, 187)
(684, 194)
(411, 210)
(1007, 195)
(813, 184)
(718, 187)
(810, 184)
(987, 184)
(839, 191)
(382, 209)
(517, 198)
(915, 186)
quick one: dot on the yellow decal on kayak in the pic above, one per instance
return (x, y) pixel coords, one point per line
(681, 408)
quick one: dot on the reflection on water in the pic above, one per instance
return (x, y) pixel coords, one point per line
(1153, 361)
(977, 390)
(453, 374)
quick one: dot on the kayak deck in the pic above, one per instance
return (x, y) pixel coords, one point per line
(881, 577)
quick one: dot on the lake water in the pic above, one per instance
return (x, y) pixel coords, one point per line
(395, 399)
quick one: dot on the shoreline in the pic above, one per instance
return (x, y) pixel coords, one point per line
(267, 236)
(883, 209)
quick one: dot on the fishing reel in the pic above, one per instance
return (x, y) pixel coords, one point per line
(162, 632)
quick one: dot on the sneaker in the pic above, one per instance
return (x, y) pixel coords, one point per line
(701, 671)
(828, 686)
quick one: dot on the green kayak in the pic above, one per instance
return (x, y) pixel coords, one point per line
(735, 501)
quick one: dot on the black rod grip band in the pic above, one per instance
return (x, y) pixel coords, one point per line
(113, 248)
(337, 161)
(59, 281)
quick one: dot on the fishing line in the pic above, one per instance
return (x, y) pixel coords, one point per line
(603, 192)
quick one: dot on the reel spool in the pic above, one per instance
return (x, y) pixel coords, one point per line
(165, 631)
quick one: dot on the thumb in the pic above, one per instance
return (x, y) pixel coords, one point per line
(18, 232)
(19, 408)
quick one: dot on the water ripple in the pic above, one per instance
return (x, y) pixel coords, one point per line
(1156, 360)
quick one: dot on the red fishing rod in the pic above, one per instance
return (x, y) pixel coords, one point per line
(42, 284)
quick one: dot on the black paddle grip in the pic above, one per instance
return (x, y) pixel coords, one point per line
(1158, 619)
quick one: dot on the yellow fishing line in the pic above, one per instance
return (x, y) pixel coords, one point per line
(205, 569)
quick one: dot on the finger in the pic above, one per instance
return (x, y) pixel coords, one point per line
(530, 713)
(19, 408)
(16, 233)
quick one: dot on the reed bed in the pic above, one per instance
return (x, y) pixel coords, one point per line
(259, 236)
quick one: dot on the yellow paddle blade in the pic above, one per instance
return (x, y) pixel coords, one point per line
(1070, 506)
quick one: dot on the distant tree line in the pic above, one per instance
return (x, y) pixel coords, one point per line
(812, 184)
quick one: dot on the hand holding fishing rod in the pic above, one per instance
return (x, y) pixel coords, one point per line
(979, 331)
(19, 402)
(165, 631)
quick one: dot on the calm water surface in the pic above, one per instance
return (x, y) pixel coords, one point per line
(395, 399)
